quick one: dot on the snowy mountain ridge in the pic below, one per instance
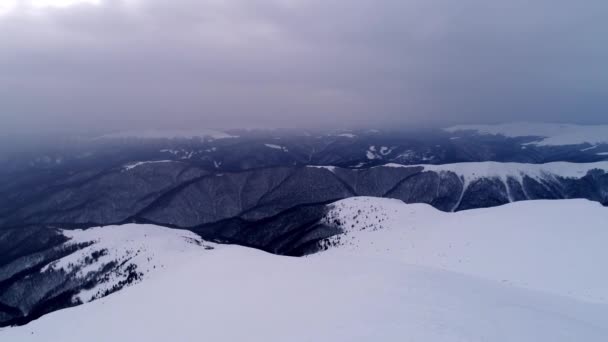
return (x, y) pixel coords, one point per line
(122, 255)
(480, 275)
(549, 134)
(512, 179)
(527, 244)
(476, 170)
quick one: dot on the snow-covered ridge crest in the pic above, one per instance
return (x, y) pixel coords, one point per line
(550, 134)
(540, 245)
(123, 255)
(524, 272)
(472, 171)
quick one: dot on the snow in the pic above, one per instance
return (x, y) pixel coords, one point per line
(182, 153)
(406, 156)
(131, 166)
(525, 272)
(372, 153)
(385, 150)
(538, 245)
(551, 134)
(169, 134)
(329, 168)
(377, 153)
(602, 154)
(147, 247)
(277, 147)
(590, 148)
(173, 152)
(347, 135)
(472, 171)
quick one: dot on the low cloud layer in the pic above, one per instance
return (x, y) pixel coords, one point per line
(111, 64)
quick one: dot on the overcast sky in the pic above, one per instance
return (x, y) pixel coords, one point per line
(116, 64)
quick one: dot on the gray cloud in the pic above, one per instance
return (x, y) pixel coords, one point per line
(230, 63)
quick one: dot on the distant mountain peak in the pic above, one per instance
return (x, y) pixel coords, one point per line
(549, 134)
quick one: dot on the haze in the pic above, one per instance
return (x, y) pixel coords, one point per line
(111, 64)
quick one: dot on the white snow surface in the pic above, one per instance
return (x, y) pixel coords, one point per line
(385, 150)
(181, 153)
(169, 134)
(328, 168)
(149, 248)
(372, 153)
(277, 147)
(131, 166)
(529, 271)
(548, 246)
(471, 171)
(593, 147)
(551, 134)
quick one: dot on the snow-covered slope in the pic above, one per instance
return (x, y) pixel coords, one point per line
(463, 278)
(123, 255)
(549, 246)
(472, 171)
(549, 134)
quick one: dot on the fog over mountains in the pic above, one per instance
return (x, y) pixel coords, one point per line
(299, 170)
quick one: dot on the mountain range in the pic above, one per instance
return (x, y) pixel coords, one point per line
(269, 190)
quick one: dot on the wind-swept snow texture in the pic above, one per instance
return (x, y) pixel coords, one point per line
(549, 134)
(530, 271)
